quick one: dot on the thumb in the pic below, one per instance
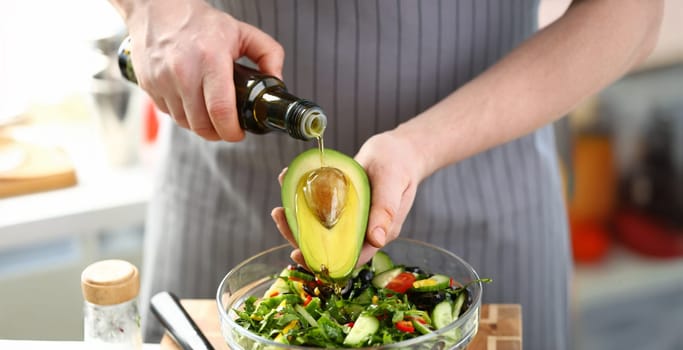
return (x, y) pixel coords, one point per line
(386, 199)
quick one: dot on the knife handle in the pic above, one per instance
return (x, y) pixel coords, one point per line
(167, 308)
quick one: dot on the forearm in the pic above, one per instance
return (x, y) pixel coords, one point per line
(594, 43)
(135, 12)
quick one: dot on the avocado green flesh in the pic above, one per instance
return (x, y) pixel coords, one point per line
(336, 249)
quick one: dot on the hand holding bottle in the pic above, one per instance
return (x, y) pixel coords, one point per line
(183, 52)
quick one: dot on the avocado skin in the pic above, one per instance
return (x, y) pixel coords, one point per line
(300, 166)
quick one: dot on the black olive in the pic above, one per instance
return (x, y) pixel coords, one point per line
(348, 288)
(415, 269)
(325, 291)
(366, 275)
(357, 287)
(426, 300)
(309, 288)
(467, 303)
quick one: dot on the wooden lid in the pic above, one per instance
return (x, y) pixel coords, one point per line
(110, 282)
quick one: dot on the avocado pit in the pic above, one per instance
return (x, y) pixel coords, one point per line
(325, 190)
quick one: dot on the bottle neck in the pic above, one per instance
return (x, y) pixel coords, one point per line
(301, 119)
(307, 120)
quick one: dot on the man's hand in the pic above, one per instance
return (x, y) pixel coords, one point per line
(395, 170)
(183, 53)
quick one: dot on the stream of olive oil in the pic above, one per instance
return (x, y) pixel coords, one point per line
(324, 272)
(321, 149)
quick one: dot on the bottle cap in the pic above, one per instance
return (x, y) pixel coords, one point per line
(110, 282)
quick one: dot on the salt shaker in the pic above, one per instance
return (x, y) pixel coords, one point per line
(111, 318)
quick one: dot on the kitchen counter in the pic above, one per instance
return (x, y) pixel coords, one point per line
(112, 188)
(500, 326)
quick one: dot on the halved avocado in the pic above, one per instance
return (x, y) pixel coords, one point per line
(329, 238)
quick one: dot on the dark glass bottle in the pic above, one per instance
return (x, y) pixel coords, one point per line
(263, 102)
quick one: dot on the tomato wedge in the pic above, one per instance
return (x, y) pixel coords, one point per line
(405, 326)
(401, 283)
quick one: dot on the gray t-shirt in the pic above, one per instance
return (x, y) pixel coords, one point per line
(372, 64)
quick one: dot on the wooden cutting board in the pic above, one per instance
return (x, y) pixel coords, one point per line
(27, 168)
(500, 326)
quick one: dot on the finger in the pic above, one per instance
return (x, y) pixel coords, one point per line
(160, 103)
(219, 98)
(299, 258)
(366, 253)
(278, 215)
(197, 115)
(281, 176)
(189, 87)
(384, 206)
(262, 49)
(175, 107)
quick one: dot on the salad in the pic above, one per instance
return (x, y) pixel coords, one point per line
(382, 303)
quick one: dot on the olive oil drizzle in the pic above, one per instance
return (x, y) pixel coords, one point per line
(321, 149)
(337, 286)
(324, 275)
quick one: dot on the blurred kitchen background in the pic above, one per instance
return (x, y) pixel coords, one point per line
(78, 150)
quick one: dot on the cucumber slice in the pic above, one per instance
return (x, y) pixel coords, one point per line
(432, 284)
(381, 262)
(365, 326)
(381, 280)
(457, 305)
(442, 315)
(422, 328)
(301, 275)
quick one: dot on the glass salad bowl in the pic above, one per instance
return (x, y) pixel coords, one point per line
(255, 275)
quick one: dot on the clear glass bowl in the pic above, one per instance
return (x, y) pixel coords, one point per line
(256, 274)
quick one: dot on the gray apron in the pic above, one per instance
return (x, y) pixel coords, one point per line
(372, 64)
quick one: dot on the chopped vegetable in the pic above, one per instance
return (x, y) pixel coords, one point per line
(381, 262)
(401, 283)
(375, 307)
(434, 283)
(442, 314)
(381, 280)
(362, 330)
(405, 326)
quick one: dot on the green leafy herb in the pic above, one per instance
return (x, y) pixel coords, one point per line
(303, 312)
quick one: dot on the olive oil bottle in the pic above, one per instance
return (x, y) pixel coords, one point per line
(263, 102)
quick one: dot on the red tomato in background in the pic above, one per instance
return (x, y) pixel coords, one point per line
(648, 235)
(401, 283)
(590, 241)
(150, 122)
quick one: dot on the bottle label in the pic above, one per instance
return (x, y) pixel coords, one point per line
(125, 61)
(116, 326)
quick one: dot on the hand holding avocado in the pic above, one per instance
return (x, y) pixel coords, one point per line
(387, 167)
